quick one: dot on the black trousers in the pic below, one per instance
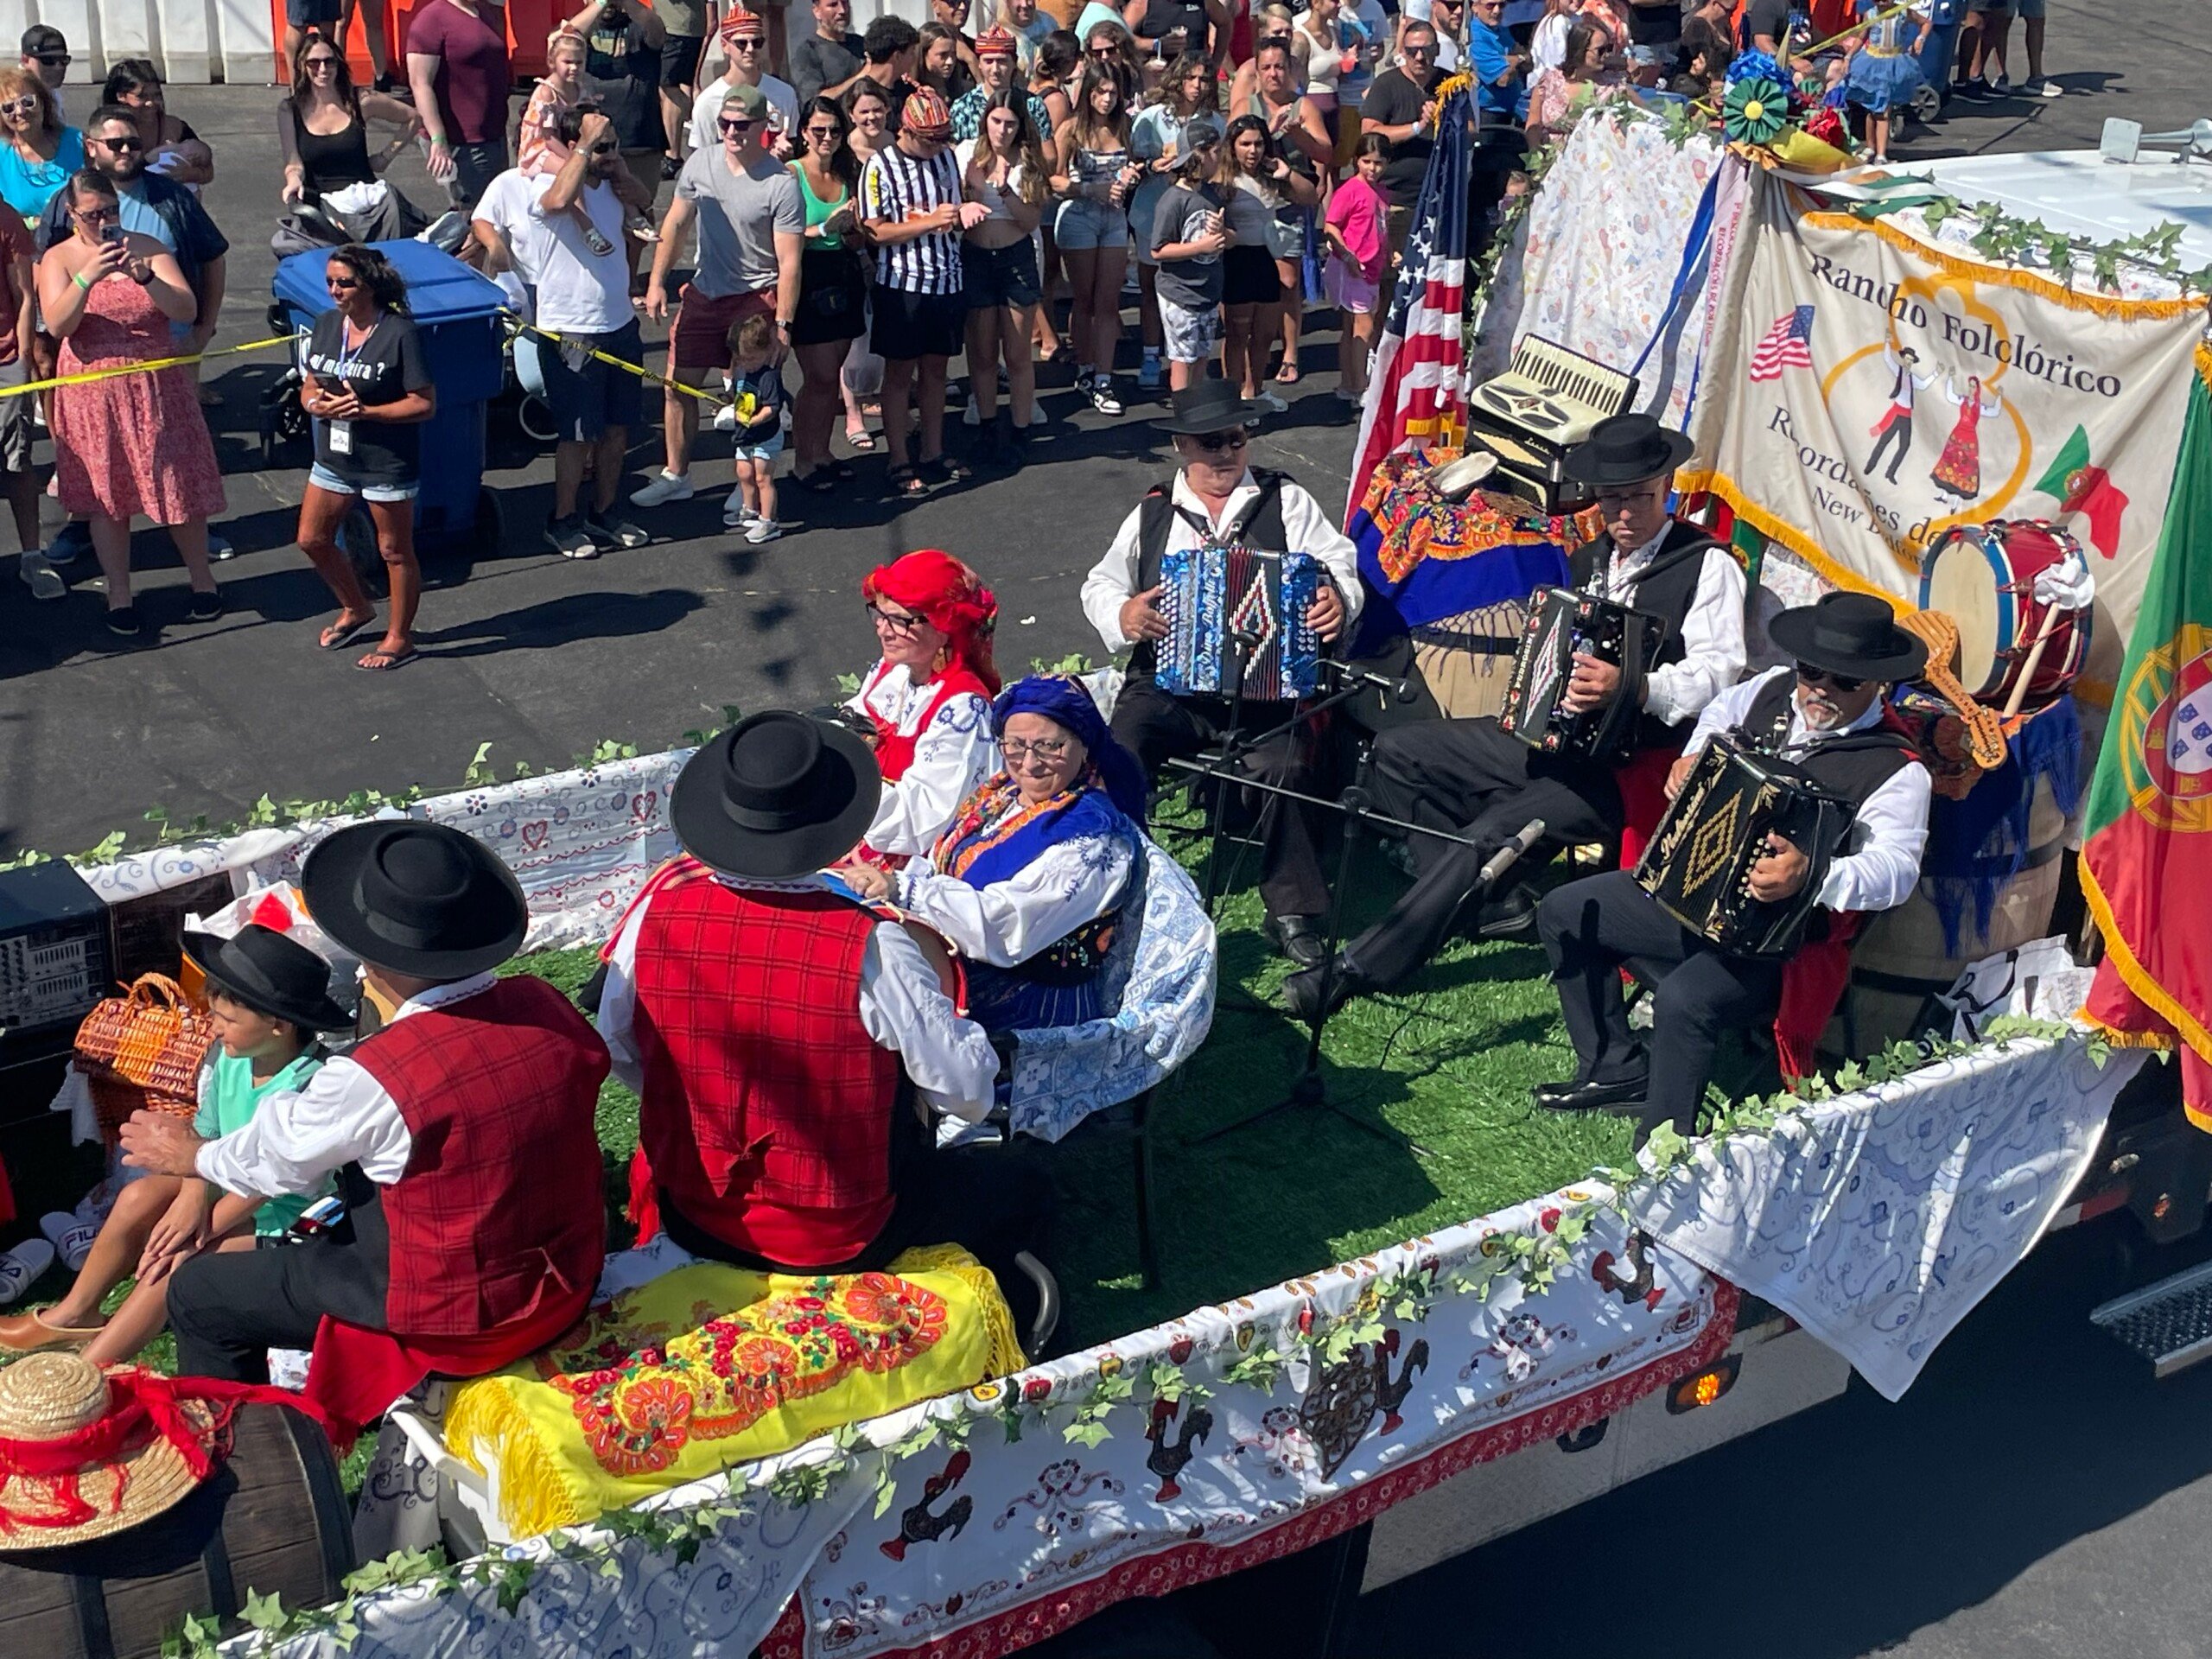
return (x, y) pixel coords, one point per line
(1594, 927)
(1470, 778)
(229, 1307)
(1157, 728)
(994, 1202)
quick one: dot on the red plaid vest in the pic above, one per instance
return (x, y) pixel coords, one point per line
(766, 1113)
(500, 1213)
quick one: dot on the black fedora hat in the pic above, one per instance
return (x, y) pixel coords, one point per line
(1852, 635)
(271, 974)
(1625, 449)
(1210, 406)
(776, 796)
(419, 898)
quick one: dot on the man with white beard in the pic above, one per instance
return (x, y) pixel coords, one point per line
(1825, 717)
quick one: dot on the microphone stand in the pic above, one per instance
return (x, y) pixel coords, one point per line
(1309, 1089)
(1234, 746)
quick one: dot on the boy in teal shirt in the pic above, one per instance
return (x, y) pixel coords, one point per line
(268, 997)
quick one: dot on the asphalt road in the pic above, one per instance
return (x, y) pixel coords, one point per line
(544, 658)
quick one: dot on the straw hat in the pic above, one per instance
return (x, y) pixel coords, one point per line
(48, 1396)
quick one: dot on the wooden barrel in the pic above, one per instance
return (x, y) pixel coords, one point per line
(272, 1520)
(1901, 959)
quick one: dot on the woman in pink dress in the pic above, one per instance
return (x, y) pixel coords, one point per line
(131, 443)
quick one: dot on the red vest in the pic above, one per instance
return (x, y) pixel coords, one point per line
(894, 751)
(767, 1108)
(501, 1215)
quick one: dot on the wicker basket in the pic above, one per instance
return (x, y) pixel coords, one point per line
(142, 1052)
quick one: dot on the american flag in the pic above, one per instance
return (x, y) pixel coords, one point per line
(1414, 385)
(1787, 345)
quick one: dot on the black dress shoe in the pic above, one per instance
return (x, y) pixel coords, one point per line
(1596, 1097)
(1297, 937)
(1511, 917)
(1316, 992)
(1546, 1093)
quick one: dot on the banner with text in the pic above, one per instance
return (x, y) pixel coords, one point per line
(1865, 392)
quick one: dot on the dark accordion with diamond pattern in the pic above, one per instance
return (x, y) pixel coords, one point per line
(1699, 864)
(1561, 622)
(1209, 595)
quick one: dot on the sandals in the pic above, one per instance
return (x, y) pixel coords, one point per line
(1287, 375)
(385, 662)
(907, 481)
(339, 635)
(944, 469)
(860, 439)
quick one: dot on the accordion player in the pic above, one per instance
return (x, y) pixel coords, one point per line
(1216, 503)
(1799, 807)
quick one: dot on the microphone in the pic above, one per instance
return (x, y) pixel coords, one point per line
(1393, 691)
(1508, 855)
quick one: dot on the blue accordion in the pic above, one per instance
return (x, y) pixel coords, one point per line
(1211, 596)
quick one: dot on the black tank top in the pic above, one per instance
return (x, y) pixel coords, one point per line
(333, 160)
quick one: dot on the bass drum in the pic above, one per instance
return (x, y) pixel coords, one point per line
(1901, 961)
(1983, 577)
(273, 1521)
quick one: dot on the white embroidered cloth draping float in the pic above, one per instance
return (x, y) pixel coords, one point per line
(1878, 1220)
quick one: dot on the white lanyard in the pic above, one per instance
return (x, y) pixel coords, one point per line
(345, 367)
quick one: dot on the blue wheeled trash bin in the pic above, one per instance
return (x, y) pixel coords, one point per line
(458, 313)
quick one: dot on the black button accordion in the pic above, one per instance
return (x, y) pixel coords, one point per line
(1698, 865)
(1563, 621)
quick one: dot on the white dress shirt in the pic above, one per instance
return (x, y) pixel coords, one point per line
(1113, 580)
(297, 1137)
(902, 1008)
(950, 758)
(1713, 631)
(1881, 862)
(1010, 921)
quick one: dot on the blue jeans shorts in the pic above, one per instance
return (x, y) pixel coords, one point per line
(323, 478)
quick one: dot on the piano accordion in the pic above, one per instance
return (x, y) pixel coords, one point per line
(1544, 405)
(1698, 865)
(1211, 596)
(1563, 621)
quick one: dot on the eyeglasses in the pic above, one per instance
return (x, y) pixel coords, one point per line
(1633, 493)
(736, 122)
(1049, 750)
(891, 623)
(1809, 674)
(1214, 442)
(97, 215)
(121, 143)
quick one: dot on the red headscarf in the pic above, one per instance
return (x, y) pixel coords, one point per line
(951, 598)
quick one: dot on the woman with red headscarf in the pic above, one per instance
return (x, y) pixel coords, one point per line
(928, 697)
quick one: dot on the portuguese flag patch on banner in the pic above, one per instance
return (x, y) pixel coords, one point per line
(2146, 855)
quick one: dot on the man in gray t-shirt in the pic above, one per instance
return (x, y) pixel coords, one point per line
(752, 230)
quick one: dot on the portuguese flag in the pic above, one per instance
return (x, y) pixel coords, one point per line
(2148, 833)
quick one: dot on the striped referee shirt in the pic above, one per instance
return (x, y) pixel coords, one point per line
(896, 186)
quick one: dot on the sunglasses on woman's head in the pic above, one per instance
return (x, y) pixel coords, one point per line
(1214, 442)
(1808, 675)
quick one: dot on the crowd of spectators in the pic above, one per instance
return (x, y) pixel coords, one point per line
(845, 215)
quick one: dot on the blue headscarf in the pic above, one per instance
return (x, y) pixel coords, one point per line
(1063, 700)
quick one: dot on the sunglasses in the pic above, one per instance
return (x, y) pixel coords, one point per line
(120, 144)
(1412, 51)
(314, 64)
(1105, 52)
(745, 46)
(822, 135)
(1214, 442)
(735, 124)
(55, 60)
(19, 106)
(891, 624)
(97, 215)
(1808, 675)
(340, 285)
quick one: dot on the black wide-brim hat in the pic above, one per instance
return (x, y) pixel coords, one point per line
(1210, 406)
(776, 796)
(420, 899)
(1855, 635)
(271, 974)
(1625, 449)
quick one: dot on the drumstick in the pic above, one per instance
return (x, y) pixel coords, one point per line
(2035, 658)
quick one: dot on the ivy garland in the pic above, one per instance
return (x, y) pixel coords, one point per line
(1533, 1261)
